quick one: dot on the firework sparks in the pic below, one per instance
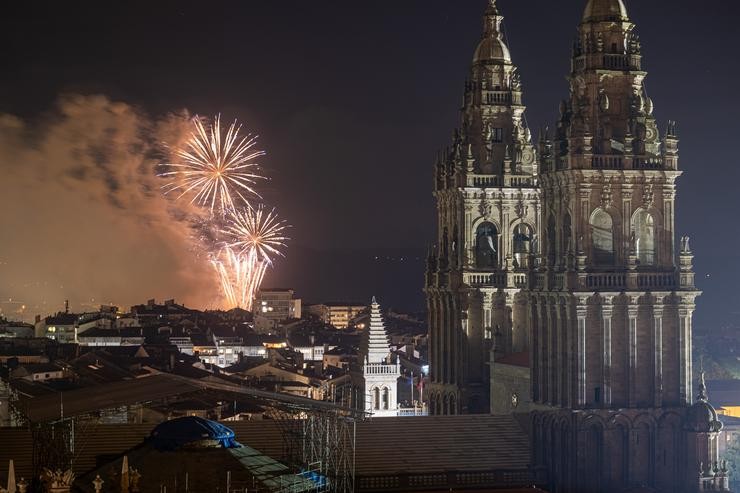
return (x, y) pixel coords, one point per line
(255, 237)
(257, 230)
(240, 276)
(218, 172)
(216, 169)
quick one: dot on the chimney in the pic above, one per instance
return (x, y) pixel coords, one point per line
(66, 306)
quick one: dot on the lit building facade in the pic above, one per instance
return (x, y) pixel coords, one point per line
(277, 305)
(573, 260)
(488, 203)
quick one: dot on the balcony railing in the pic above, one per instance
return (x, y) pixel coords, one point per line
(454, 480)
(374, 369)
(481, 280)
(483, 181)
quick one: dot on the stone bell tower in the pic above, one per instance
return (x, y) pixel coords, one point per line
(612, 305)
(488, 210)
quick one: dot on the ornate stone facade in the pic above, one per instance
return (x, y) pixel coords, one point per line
(486, 186)
(573, 259)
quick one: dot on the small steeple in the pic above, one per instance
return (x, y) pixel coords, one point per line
(492, 47)
(605, 10)
(376, 348)
(702, 397)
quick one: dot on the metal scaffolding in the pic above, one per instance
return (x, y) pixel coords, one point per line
(318, 437)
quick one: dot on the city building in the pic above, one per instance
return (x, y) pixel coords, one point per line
(380, 374)
(277, 305)
(338, 314)
(61, 327)
(569, 254)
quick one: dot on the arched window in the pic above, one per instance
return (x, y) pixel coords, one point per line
(522, 246)
(386, 398)
(643, 228)
(602, 238)
(486, 246)
(376, 398)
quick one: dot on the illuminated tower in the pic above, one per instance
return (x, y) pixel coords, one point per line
(612, 305)
(488, 209)
(380, 374)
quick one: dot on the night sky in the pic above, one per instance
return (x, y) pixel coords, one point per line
(351, 100)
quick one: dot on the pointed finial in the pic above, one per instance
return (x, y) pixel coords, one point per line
(702, 397)
(492, 7)
(374, 302)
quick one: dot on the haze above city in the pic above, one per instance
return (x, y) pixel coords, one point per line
(351, 129)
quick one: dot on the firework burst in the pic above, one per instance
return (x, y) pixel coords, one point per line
(255, 237)
(218, 172)
(215, 169)
(256, 230)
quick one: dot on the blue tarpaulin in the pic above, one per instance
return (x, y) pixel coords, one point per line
(173, 434)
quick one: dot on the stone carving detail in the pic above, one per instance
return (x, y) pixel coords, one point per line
(485, 208)
(521, 209)
(648, 195)
(606, 195)
(57, 481)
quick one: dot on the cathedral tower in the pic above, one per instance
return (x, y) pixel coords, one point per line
(488, 210)
(612, 305)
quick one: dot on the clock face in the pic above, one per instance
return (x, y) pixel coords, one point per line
(528, 156)
(514, 399)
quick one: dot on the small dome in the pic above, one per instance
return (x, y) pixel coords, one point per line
(702, 418)
(492, 49)
(192, 432)
(605, 10)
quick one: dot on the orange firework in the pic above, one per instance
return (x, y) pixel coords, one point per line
(216, 169)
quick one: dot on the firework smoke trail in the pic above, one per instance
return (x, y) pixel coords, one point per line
(215, 169)
(219, 173)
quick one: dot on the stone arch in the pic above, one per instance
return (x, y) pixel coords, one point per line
(376, 398)
(618, 452)
(642, 451)
(386, 396)
(643, 230)
(603, 244)
(487, 245)
(667, 442)
(521, 244)
(453, 404)
(562, 451)
(593, 431)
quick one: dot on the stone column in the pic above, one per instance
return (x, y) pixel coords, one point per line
(658, 353)
(581, 314)
(632, 313)
(560, 361)
(544, 350)
(552, 381)
(535, 350)
(606, 319)
(685, 314)
(433, 337)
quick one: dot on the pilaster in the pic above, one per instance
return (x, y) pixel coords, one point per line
(607, 312)
(632, 314)
(658, 352)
